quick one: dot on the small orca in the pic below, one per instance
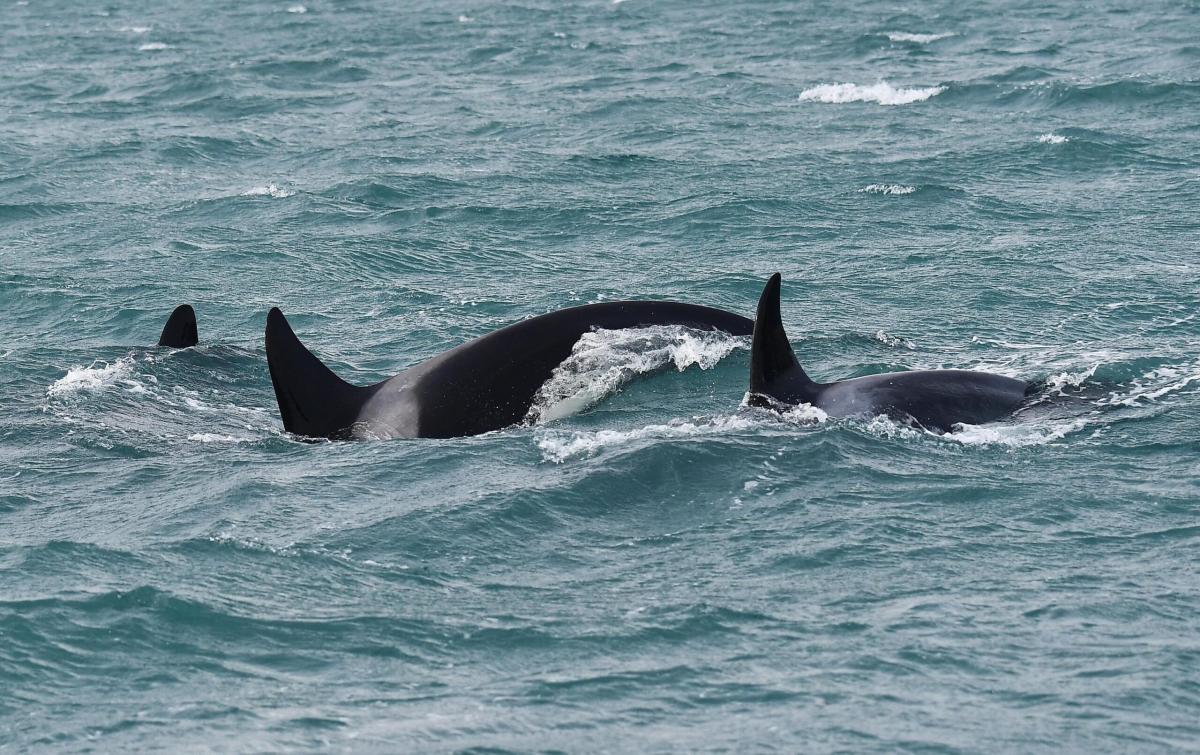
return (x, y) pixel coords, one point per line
(180, 330)
(485, 384)
(934, 399)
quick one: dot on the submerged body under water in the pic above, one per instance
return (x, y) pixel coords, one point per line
(647, 563)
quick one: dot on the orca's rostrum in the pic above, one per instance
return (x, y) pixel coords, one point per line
(485, 384)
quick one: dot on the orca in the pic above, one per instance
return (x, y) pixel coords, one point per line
(486, 384)
(180, 331)
(933, 399)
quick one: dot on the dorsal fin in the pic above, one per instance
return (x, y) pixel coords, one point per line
(774, 369)
(312, 400)
(180, 330)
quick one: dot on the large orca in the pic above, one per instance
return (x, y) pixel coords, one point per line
(180, 330)
(485, 384)
(934, 399)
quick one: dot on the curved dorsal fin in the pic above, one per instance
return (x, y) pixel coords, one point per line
(312, 400)
(180, 330)
(774, 369)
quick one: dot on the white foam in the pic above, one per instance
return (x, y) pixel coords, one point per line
(216, 438)
(270, 190)
(1015, 435)
(888, 189)
(893, 341)
(921, 39)
(297, 9)
(883, 93)
(603, 360)
(465, 19)
(1063, 380)
(95, 377)
(559, 446)
(135, 29)
(1155, 384)
(1052, 139)
(154, 47)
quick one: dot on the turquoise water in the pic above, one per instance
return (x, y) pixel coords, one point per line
(1010, 187)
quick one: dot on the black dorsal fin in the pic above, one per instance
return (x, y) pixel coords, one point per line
(312, 400)
(180, 331)
(774, 369)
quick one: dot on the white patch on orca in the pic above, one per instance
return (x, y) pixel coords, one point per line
(603, 360)
(882, 93)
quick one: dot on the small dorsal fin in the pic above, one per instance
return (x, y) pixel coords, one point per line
(312, 400)
(774, 369)
(180, 331)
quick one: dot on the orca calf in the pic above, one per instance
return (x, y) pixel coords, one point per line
(180, 330)
(934, 399)
(485, 384)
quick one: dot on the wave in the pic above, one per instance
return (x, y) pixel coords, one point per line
(97, 376)
(883, 93)
(1052, 138)
(270, 190)
(154, 47)
(888, 189)
(603, 360)
(921, 39)
(558, 446)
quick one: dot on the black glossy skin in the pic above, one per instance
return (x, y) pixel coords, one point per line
(180, 331)
(935, 399)
(486, 384)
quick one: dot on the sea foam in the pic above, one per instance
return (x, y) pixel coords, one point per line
(888, 189)
(603, 360)
(270, 190)
(883, 93)
(98, 375)
(921, 39)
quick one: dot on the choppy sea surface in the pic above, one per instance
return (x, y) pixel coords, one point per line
(1003, 186)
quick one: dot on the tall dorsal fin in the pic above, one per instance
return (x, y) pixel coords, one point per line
(180, 330)
(312, 400)
(774, 369)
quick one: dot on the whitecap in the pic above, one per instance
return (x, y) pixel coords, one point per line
(216, 438)
(465, 19)
(888, 189)
(921, 39)
(98, 375)
(297, 9)
(883, 93)
(559, 446)
(1052, 139)
(1015, 435)
(154, 47)
(270, 190)
(893, 341)
(1155, 384)
(135, 29)
(603, 360)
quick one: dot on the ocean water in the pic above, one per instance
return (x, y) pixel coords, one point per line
(651, 565)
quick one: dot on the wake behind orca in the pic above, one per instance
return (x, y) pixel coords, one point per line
(483, 385)
(935, 399)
